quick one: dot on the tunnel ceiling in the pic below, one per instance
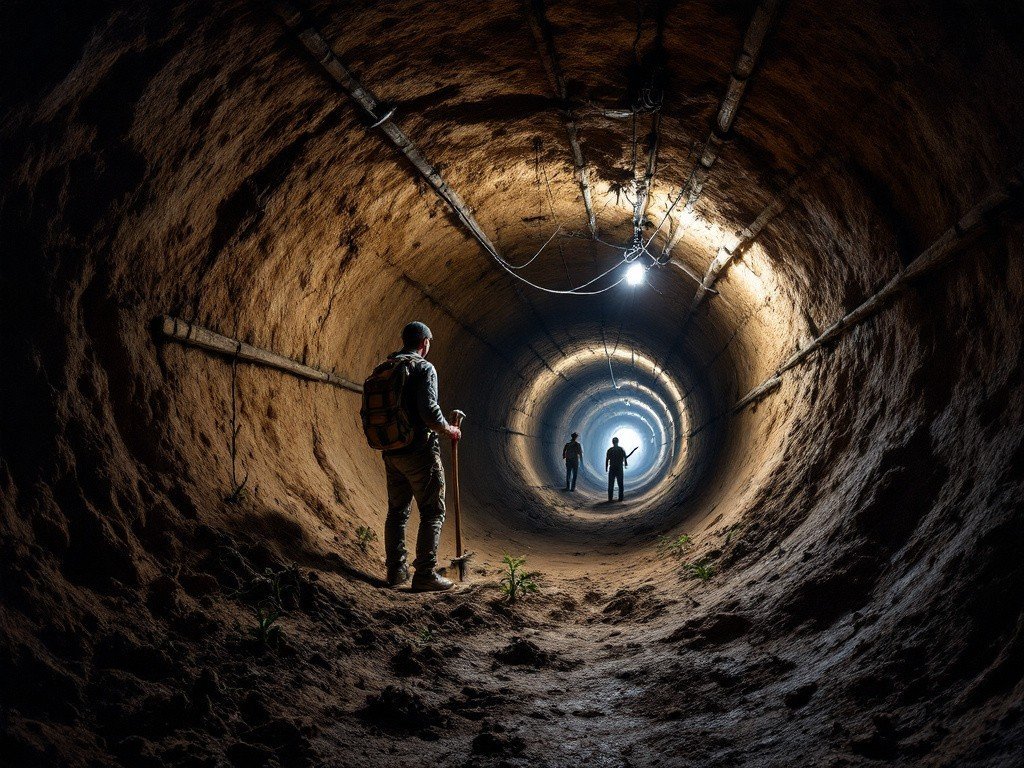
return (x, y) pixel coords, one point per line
(826, 338)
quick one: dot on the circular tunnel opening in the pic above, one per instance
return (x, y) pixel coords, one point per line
(645, 412)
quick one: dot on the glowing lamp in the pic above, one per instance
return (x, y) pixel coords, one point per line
(635, 274)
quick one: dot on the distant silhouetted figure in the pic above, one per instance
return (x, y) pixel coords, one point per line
(614, 462)
(572, 453)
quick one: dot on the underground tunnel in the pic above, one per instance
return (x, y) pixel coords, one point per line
(774, 247)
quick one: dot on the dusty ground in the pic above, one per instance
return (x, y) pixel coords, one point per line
(668, 670)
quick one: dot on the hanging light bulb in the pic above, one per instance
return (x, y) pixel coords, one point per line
(635, 274)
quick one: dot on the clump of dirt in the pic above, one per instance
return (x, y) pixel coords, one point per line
(476, 703)
(716, 629)
(637, 605)
(493, 740)
(522, 652)
(402, 710)
(411, 660)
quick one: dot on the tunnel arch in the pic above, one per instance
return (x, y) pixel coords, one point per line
(193, 160)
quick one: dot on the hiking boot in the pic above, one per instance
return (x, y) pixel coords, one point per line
(398, 575)
(431, 581)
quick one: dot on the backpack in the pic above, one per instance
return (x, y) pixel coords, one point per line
(386, 424)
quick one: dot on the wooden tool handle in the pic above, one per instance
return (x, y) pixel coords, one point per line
(456, 421)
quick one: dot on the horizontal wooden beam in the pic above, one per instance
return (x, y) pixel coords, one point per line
(174, 329)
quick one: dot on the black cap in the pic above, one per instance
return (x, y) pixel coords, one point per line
(575, 435)
(414, 333)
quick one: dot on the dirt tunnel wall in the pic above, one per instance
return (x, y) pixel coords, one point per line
(191, 159)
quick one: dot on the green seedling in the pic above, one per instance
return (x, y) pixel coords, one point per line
(283, 584)
(266, 633)
(425, 636)
(674, 547)
(516, 583)
(272, 587)
(364, 536)
(702, 570)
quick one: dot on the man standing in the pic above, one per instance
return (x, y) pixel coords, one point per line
(414, 470)
(614, 461)
(572, 453)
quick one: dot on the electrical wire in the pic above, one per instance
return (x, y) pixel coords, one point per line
(512, 269)
(682, 190)
(576, 291)
(538, 253)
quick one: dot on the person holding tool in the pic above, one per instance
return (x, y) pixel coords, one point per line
(572, 453)
(614, 461)
(402, 419)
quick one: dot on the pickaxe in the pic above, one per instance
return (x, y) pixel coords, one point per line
(460, 557)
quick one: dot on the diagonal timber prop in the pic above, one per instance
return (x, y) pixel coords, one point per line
(545, 41)
(381, 118)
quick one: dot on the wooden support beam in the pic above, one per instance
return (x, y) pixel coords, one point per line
(543, 37)
(939, 253)
(746, 62)
(318, 47)
(745, 65)
(320, 50)
(935, 256)
(745, 238)
(174, 329)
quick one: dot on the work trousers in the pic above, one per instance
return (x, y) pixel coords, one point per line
(614, 476)
(572, 468)
(418, 475)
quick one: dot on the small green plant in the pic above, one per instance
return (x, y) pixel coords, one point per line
(282, 584)
(733, 531)
(277, 588)
(702, 570)
(425, 636)
(674, 547)
(364, 536)
(516, 583)
(266, 633)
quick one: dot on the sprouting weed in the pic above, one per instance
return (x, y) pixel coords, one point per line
(516, 582)
(702, 570)
(364, 536)
(674, 546)
(733, 532)
(425, 636)
(266, 633)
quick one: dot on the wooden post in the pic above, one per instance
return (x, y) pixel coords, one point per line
(173, 329)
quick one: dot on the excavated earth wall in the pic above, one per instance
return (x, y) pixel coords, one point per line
(863, 520)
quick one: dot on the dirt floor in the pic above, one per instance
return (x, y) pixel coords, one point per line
(604, 669)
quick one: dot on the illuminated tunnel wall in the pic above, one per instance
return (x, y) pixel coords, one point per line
(863, 509)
